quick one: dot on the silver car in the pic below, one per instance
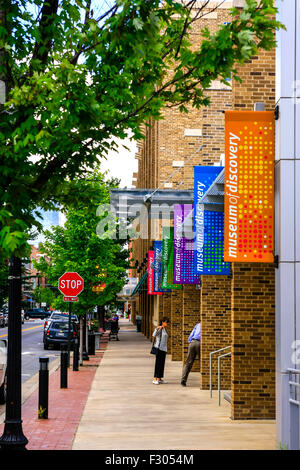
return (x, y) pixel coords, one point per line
(57, 315)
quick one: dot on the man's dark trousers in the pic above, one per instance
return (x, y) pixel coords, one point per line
(194, 351)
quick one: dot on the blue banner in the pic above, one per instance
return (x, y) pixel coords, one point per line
(211, 229)
(208, 226)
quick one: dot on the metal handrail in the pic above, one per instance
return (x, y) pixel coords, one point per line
(219, 374)
(210, 366)
(293, 386)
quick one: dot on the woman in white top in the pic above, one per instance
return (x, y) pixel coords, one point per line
(161, 343)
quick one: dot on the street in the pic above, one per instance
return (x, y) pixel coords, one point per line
(32, 347)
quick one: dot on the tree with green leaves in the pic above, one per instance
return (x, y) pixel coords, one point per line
(44, 295)
(76, 247)
(77, 77)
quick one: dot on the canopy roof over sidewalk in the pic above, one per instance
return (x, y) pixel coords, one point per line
(140, 284)
(126, 202)
(215, 193)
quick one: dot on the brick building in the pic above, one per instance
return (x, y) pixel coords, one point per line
(236, 311)
(33, 278)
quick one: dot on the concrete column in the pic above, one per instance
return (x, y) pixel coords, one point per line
(287, 228)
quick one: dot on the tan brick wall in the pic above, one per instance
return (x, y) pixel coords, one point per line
(191, 316)
(258, 83)
(133, 312)
(215, 329)
(167, 313)
(253, 292)
(166, 142)
(253, 337)
(176, 325)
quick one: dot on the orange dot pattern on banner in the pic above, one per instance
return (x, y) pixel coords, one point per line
(256, 190)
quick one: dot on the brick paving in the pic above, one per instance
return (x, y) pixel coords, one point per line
(65, 407)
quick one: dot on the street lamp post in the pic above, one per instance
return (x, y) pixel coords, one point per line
(13, 437)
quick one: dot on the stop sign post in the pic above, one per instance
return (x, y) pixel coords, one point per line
(70, 285)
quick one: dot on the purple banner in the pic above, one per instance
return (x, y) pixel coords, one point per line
(183, 267)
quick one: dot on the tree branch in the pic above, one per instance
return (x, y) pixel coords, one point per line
(42, 48)
(112, 11)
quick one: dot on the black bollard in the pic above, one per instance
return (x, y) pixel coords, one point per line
(85, 356)
(91, 343)
(43, 388)
(76, 355)
(64, 365)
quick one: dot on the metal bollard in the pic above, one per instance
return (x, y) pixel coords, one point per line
(43, 388)
(76, 355)
(91, 344)
(64, 365)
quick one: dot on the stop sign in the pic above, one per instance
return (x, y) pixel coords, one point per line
(70, 284)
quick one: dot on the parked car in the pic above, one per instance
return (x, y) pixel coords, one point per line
(57, 333)
(2, 319)
(3, 363)
(37, 313)
(56, 315)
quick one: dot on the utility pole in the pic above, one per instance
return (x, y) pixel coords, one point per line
(13, 437)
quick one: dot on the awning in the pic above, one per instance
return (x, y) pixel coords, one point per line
(140, 284)
(215, 193)
(127, 203)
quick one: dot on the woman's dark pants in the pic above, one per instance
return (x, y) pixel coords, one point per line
(160, 364)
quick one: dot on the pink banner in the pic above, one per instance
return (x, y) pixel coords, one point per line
(151, 274)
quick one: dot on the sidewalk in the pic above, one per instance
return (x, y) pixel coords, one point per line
(124, 410)
(111, 404)
(65, 405)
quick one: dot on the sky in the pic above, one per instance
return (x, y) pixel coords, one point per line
(122, 164)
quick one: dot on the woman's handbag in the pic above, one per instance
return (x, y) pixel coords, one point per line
(154, 349)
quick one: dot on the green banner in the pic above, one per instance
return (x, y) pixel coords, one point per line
(168, 259)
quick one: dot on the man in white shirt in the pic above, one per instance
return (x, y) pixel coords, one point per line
(194, 351)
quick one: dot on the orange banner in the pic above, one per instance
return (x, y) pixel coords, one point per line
(249, 186)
